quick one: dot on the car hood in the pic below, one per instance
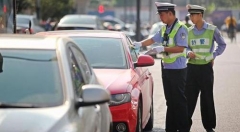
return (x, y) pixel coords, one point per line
(115, 80)
(30, 119)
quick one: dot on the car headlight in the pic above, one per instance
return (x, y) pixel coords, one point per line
(118, 99)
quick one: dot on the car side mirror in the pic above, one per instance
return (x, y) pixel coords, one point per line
(92, 95)
(144, 60)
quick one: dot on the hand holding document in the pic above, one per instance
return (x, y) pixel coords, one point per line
(150, 52)
(155, 50)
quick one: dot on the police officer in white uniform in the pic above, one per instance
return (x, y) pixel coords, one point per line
(174, 38)
(201, 55)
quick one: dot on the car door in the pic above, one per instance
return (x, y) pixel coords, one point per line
(144, 82)
(88, 115)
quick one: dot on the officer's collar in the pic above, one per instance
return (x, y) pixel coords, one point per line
(204, 26)
(173, 24)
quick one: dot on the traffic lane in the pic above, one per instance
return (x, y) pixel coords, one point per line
(158, 98)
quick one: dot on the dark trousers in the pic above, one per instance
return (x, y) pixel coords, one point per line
(200, 80)
(174, 81)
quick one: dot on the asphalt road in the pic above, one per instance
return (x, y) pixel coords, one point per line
(226, 92)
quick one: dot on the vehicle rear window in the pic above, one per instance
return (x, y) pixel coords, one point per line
(22, 20)
(78, 20)
(30, 77)
(103, 52)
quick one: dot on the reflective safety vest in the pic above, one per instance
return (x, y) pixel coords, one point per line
(201, 45)
(172, 57)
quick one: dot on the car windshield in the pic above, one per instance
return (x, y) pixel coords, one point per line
(22, 20)
(78, 19)
(30, 77)
(103, 52)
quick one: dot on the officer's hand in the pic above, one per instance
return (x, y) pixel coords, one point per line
(212, 62)
(158, 49)
(191, 55)
(137, 45)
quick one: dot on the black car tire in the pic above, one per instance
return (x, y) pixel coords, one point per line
(149, 125)
(139, 117)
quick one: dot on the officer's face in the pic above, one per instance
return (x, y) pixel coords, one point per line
(195, 17)
(164, 16)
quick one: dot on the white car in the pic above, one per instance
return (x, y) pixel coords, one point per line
(47, 85)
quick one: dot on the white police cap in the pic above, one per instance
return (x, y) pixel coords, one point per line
(164, 6)
(192, 9)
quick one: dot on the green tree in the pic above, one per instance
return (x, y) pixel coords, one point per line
(55, 8)
(23, 5)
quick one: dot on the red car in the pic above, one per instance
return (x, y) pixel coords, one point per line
(123, 72)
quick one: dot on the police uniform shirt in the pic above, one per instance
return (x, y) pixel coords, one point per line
(180, 39)
(216, 37)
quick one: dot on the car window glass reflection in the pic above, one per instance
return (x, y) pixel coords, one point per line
(30, 77)
(76, 75)
(103, 52)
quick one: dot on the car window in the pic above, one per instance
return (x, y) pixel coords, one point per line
(134, 55)
(31, 77)
(83, 64)
(22, 20)
(35, 21)
(103, 52)
(77, 77)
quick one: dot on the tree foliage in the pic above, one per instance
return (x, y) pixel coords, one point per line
(48, 8)
(23, 5)
(55, 8)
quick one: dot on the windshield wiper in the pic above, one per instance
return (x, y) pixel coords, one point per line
(20, 105)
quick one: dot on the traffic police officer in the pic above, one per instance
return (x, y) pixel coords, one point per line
(201, 55)
(174, 38)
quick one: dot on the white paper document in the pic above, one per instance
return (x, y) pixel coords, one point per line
(150, 52)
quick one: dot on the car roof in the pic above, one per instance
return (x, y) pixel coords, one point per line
(24, 41)
(81, 15)
(25, 16)
(85, 33)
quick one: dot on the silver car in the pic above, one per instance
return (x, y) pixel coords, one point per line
(23, 23)
(47, 85)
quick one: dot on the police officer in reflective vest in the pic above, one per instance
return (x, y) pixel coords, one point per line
(201, 55)
(173, 38)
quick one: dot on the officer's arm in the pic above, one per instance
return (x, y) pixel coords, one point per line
(176, 49)
(221, 43)
(147, 42)
(157, 38)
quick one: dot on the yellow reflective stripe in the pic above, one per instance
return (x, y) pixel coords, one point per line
(175, 55)
(201, 50)
(208, 58)
(170, 42)
(199, 56)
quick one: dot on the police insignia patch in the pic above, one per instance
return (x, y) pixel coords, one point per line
(183, 36)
